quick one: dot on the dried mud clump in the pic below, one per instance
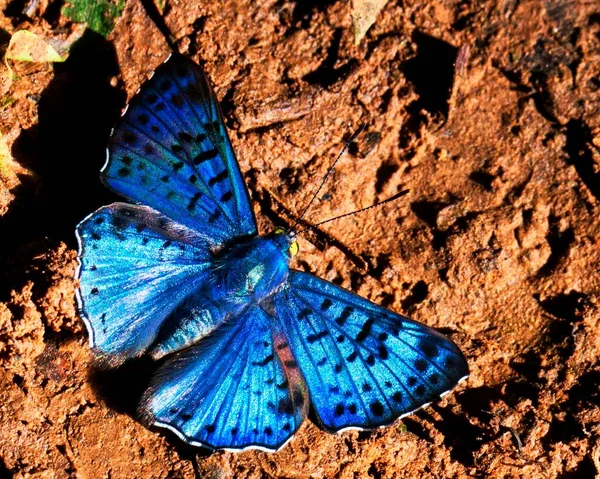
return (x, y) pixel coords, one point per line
(488, 112)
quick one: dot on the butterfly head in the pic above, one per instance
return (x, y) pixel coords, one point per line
(286, 239)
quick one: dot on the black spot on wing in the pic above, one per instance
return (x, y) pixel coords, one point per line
(205, 155)
(344, 315)
(264, 362)
(382, 351)
(421, 365)
(193, 201)
(285, 406)
(210, 428)
(312, 338)
(177, 100)
(365, 330)
(429, 349)
(227, 196)
(326, 304)
(130, 138)
(376, 408)
(222, 176)
(192, 91)
(214, 216)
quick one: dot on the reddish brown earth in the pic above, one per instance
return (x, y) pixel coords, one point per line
(489, 112)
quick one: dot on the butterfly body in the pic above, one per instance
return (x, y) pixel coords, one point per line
(246, 343)
(242, 275)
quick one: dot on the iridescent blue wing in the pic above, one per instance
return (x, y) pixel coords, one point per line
(136, 265)
(364, 366)
(171, 151)
(233, 390)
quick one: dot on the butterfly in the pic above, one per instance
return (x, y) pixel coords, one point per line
(245, 343)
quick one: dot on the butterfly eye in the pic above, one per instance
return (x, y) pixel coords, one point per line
(294, 248)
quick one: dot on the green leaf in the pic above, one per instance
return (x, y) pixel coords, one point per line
(160, 4)
(99, 15)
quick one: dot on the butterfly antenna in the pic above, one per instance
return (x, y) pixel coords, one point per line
(328, 174)
(379, 203)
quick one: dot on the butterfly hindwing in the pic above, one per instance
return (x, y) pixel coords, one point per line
(171, 151)
(231, 390)
(135, 266)
(364, 366)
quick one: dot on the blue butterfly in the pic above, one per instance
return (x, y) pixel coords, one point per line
(248, 343)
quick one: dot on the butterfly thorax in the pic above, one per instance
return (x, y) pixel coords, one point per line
(252, 271)
(242, 276)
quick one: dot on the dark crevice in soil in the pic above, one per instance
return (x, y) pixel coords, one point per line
(556, 342)
(384, 174)
(418, 294)
(5, 473)
(376, 265)
(461, 437)
(305, 10)
(418, 430)
(327, 74)
(483, 179)
(65, 152)
(14, 9)
(584, 469)
(428, 211)
(290, 177)
(432, 72)
(121, 388)
(578, 148)
(560, 242)
(566, 306)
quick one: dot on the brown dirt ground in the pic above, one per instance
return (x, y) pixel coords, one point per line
(489, 112)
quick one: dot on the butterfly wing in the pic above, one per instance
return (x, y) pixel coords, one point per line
(364, 366)
(170, 151)
(232, 390)
(135, 266)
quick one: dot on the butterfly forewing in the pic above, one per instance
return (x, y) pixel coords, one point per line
(170, 151)
(364, 365)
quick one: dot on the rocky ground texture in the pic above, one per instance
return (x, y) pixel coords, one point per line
(489, 112)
